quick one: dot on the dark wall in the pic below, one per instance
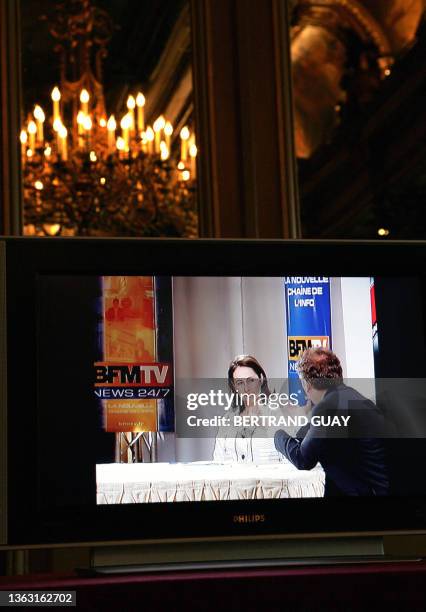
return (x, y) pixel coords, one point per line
(372, 173)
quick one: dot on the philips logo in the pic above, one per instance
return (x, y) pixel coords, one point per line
(249, 518)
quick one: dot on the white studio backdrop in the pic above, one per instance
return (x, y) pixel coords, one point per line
(217, 318)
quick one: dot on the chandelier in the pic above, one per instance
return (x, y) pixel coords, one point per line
(87, 173)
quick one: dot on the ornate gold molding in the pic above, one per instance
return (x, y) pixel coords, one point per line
(339, 15)
(341, 49)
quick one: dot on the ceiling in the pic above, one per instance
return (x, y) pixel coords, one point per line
(142, 30)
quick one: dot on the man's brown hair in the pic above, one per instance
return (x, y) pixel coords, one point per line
(320, 367)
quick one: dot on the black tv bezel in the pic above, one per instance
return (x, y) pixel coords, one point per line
(27, 258)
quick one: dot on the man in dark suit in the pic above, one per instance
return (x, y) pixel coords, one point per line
(355, 462)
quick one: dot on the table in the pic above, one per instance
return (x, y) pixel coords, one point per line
(121, 483)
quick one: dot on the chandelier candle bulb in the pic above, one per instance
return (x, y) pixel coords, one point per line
(56, 96)
(38, 186)
(164, 151)
(111, 127)
(180, 167)
(140, 103)
(121, 146)
(80, 121)
(184, 136)
(159, 125)
(62, 133)
(52, 228)
(168, 131)
(150, 139)
(23, 137)
(193, 158)
(32, 131)
(87, 127)
(125, 124)
(80, 128)
(131, 103)
(39, 117)
(57, 124)
(84, 99)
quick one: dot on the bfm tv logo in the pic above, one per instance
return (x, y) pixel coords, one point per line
(114, 374)
(298, 344)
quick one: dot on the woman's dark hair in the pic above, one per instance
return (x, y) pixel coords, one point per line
(247, 361)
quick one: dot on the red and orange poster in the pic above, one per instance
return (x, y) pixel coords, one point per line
(131, 379)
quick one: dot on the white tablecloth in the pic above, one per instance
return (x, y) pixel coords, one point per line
(122, 483)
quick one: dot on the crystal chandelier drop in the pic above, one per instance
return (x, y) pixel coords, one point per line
(85, 173)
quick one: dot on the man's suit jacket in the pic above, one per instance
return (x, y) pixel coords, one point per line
(353, 465)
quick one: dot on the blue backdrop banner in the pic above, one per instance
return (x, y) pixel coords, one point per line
(308, 309)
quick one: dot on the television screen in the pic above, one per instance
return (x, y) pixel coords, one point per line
(150, 382)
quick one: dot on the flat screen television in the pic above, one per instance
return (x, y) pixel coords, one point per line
(144, 381)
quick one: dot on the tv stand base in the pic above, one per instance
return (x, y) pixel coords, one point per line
(236, 553)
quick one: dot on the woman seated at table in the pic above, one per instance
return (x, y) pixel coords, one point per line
(247, 380)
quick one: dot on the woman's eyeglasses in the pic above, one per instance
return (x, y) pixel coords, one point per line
(243, 383)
